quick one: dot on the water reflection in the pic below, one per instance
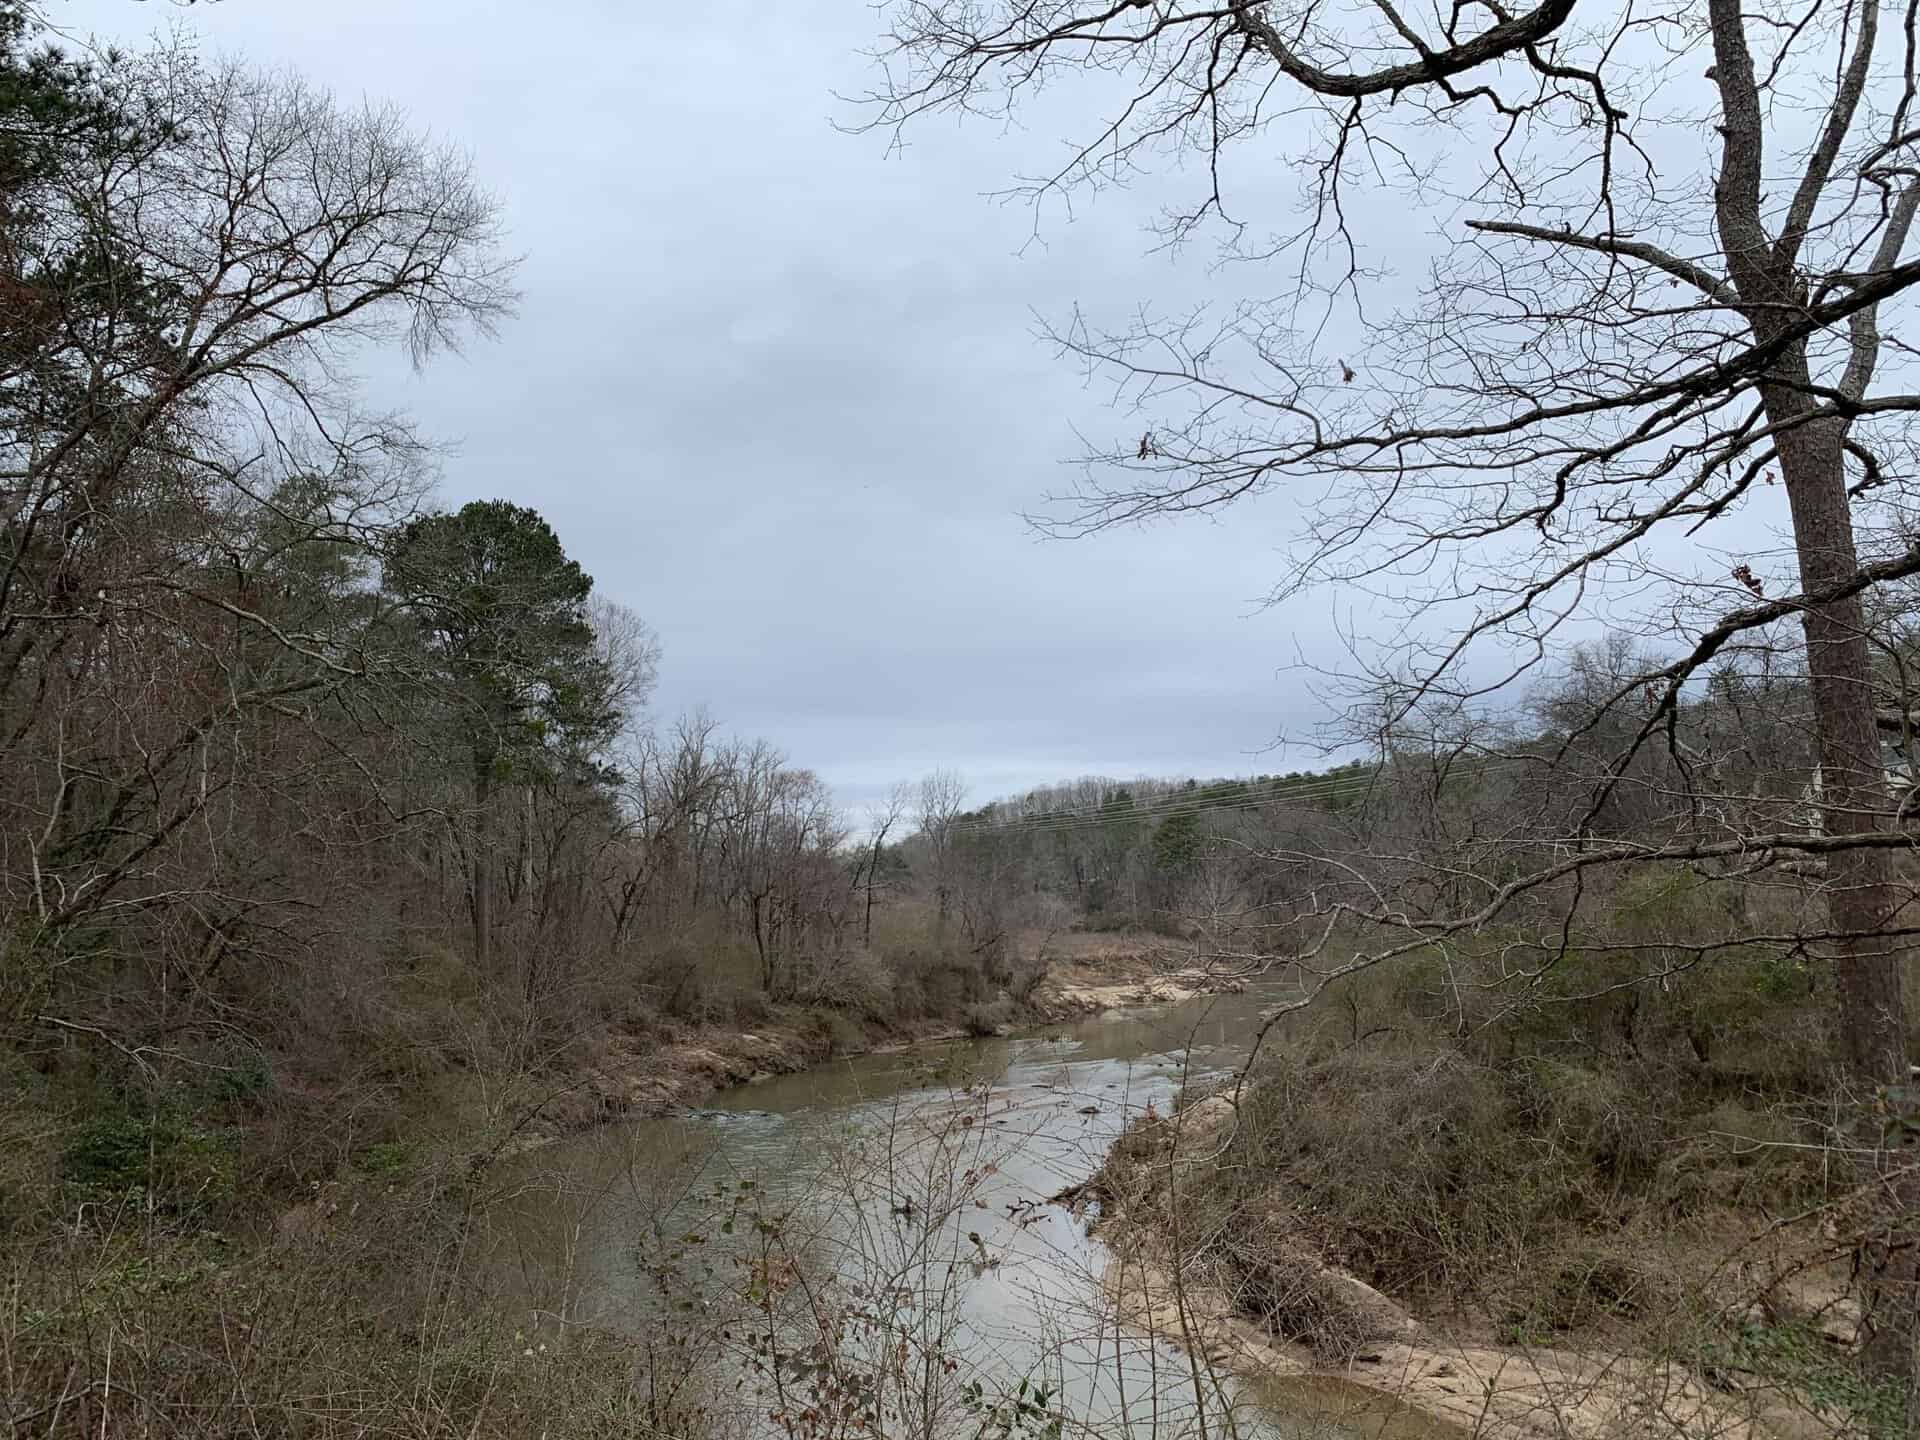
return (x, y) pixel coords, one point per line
(917, 1183)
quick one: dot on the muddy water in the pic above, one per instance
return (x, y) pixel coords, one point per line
(917, 1183)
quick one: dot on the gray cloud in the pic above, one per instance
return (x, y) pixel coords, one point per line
(778, 389)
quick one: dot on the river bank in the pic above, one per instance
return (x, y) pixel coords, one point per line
(919, 1174)
(1273, 1308)
(943, 1194)
(626, 1075)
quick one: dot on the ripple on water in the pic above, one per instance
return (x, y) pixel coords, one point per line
(1027, 1116)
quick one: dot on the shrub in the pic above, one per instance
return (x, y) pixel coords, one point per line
(356, 1333)
(170, 1164)
(986, 1018)
(1440, 1177)
(843, 1033)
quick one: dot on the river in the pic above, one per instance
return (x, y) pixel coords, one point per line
(905, 1196)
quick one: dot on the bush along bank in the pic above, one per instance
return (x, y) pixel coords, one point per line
(1546, 1223)
(249, 1236)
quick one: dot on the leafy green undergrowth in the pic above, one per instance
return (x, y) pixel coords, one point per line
(166, 1162)
(1798, 1359)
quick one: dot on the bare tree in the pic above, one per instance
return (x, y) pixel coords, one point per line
(938, 806)
(1603, 356)
(189, 494)
(629, 654)
(672, 788)
(1612, 361)
(882, 817)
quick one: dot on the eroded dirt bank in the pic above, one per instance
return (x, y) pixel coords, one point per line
(1121, 977)
(628, 1075)
(1296, 1327)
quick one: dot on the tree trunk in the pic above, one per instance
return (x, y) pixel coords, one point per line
(1860, 900)
(528, 822)
(761, 945)
(1861, 897)
(482, 860)
(1870, 1020)
(873, 864)
(1853, 790)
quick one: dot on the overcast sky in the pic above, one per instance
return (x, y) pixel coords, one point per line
(778, 389)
